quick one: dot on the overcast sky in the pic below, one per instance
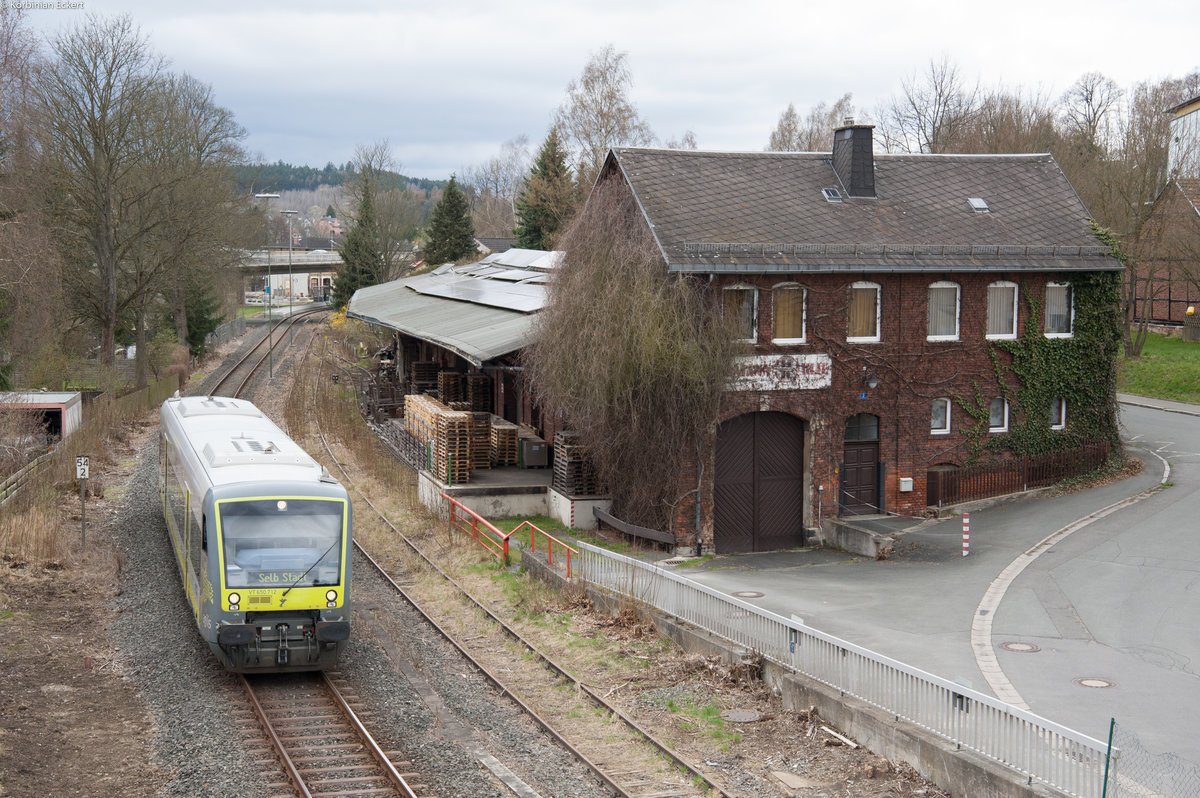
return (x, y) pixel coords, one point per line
(446, 82)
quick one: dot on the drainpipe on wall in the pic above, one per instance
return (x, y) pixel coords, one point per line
(699, 483)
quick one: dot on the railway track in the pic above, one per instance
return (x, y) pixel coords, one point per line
(241, 372)
(320, 740)
(627, 758)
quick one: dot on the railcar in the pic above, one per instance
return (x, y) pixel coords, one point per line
(261, 534)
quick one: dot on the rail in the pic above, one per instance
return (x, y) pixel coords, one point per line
(478, 527)
(534, 531)
(1038, 749)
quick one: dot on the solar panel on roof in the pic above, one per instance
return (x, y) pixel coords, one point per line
(510, 296)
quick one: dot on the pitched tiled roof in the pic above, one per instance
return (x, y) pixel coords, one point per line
(765, 212)
(1190, 186)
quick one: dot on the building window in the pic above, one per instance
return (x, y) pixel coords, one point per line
(1058, 413)
(863, 427)
(998, 415)
(864, 313)
(943, 311)
(1060, 310)
(940, 422)
(741, 307)
(1002, 310)
(788, 312)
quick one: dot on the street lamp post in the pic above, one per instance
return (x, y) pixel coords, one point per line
(270, 326)
(289, 215)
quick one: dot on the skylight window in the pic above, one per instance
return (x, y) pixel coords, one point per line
(832, 194)
(979, 205)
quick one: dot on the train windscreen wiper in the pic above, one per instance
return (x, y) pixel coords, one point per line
(314, 565)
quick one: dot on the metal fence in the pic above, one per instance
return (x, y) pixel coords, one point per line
(225, 333)
(1035, 748)
(1140, 774)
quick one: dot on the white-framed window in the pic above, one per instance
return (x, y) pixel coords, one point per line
(741, 306)
(1058, 413)
(939, 423)
(943, 311)
(998, 415)
(1060, 310)
(864, 313)
(788, 305)
(1002, 310)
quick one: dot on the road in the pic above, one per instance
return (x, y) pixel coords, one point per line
(1105, 622)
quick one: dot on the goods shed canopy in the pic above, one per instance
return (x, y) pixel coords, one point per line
(480, 311)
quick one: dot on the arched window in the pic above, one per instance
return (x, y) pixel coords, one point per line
(943, 311)
(1060, 310)
(1002, 310)
(787, 311)
(864, 313)
(741, 306)
(863, 427)
(939, 423)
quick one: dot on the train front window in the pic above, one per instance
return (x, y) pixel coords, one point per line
(281, 542)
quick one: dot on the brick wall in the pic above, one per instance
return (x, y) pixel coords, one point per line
(911, 372)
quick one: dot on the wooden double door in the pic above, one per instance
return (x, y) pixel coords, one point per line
(758, 495)
(860, 466)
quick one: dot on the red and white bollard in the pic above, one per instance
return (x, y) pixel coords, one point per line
(966, 533)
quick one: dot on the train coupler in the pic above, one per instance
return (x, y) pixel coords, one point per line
(281, 653)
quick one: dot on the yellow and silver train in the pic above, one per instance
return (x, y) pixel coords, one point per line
(261, 534)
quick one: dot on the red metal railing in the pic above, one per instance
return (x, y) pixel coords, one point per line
(534, 531)
(478, 527)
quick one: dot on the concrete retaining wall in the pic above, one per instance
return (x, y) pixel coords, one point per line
(960, 772)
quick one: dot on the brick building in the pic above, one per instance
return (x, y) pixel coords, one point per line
(1167, 255)
(884, 299)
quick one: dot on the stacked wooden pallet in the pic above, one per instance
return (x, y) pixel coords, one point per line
(481, 440)
(504, 437)
(445, 433)
(424, 376)
(479, 392)
(450, 386)
(574, 474)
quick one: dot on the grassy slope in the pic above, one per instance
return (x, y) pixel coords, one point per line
(1169, 368)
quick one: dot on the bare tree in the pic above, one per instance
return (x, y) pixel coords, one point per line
(598, 115)
(89, 98)
(815, 132)
(935, 110)
(493, 187)
(1008, 122)
(1087, 110)
(685, 142)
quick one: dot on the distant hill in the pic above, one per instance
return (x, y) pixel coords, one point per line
(279, 176)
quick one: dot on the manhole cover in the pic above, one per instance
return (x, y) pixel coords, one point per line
(740, 715)
(1024, 648)
(1094, 682)
(748, 594)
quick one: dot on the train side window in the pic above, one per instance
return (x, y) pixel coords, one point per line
(193, 535)
(204, 532)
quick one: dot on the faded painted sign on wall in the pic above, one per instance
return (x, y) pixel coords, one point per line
(781, 372)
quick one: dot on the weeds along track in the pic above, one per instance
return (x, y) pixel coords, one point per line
(626, 757)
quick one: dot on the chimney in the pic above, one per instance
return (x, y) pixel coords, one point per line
(854, 158)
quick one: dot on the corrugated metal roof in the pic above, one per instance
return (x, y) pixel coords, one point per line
(476, 332)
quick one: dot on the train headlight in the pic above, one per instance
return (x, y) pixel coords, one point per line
(281, 505)
(234, 600)
(331, 595)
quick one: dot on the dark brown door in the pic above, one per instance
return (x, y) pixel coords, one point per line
(758, 501)
(860, 478)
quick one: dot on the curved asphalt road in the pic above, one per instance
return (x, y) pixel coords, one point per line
(1115, 601)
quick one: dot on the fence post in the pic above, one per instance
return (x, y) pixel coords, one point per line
(966, 533)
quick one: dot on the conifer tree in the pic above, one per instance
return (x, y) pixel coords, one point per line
(362, 261)
(547, 201)
(451, 231)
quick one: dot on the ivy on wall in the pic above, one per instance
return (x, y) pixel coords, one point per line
(1081, 369)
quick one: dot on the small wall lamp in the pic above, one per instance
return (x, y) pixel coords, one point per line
(870, 380)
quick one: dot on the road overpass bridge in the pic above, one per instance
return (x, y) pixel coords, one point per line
(310, 273)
